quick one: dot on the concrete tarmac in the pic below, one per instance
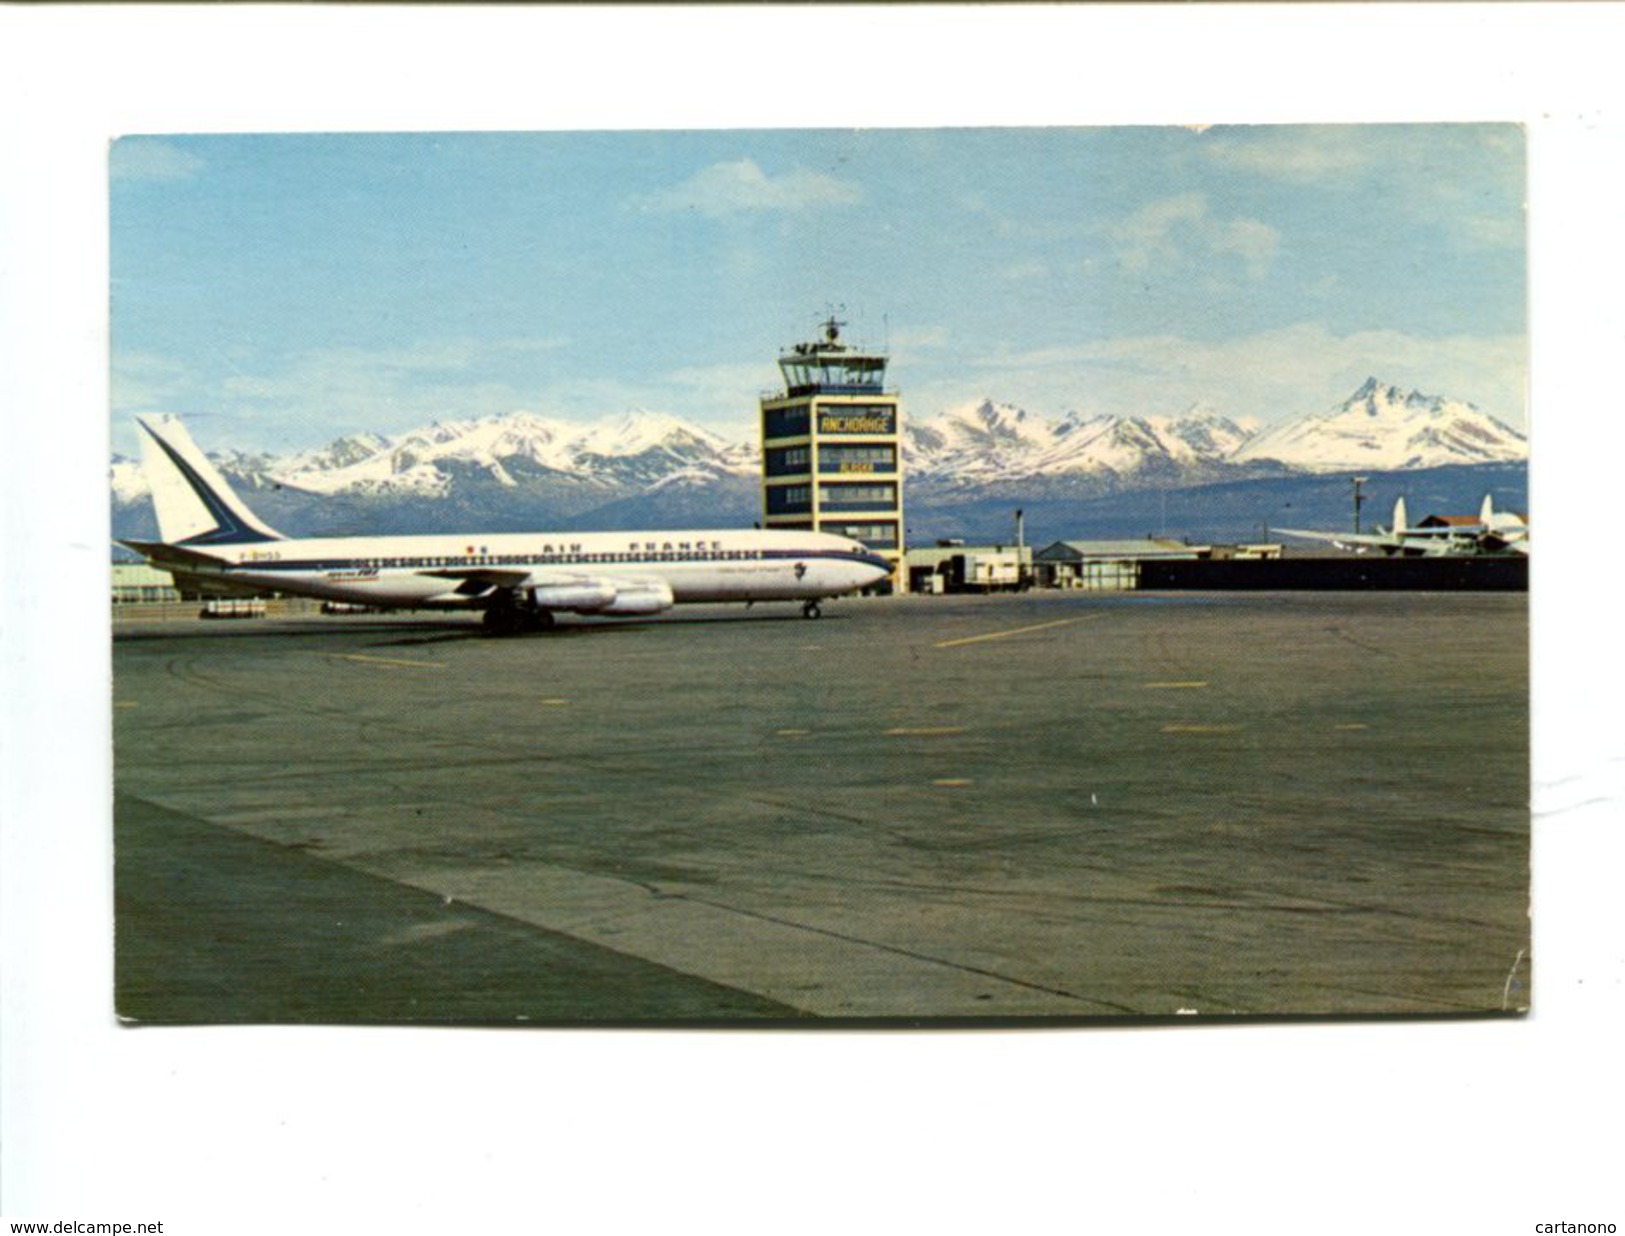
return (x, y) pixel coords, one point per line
(1053, 806)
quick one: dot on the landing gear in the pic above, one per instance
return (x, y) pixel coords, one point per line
(516, 619)
(812, 610)
(503, 620)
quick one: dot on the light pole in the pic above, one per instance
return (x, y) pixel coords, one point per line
(1359, 501)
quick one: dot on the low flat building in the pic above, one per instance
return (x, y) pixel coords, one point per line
(1250, 551)
(1105, 565)
(136, 583)
(951, 567)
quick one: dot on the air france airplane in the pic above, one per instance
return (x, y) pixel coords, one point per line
(520, 580)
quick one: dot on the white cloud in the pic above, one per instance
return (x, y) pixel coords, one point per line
(1178, 231)
(1462, 176)
(1300, 154)
(1253, 242)
(1270, 375)
(1485, 231)
(308, 399)
(1147, 237)
(731, 188)
(922, 337)
(151, 159)
(145, 382)
(1018, 271)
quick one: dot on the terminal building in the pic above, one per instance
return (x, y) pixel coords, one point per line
(832, 457)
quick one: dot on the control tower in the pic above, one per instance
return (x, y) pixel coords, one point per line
(832, 447)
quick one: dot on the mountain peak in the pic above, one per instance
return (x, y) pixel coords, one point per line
(1381, 427)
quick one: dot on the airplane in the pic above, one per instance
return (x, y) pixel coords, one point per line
(520, 580)
(1494, 532)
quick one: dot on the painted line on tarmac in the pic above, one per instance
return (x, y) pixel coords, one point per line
(977, 639)
(352, 656)
(1200, 729)
(923, 731)
(1174, 686)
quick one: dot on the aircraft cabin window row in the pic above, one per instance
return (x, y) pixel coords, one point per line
(665, 553)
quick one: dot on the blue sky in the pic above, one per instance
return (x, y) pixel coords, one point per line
(283, 290)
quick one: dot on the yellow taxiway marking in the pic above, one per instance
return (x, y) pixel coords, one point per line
(1174, 686)
(952, 781)
(125, 704)
(355, 656)
(1353, 725)
(792, 733)
(554, 703)
(1200, 729)
(923, 731)
(976, 639)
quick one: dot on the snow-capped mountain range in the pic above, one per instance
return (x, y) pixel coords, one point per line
(639, 449)
(978, 445)
(989, 443)
(1381, 428)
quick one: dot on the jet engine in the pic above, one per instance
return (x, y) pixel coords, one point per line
(585, 597)
(602, 596)
(641, 598)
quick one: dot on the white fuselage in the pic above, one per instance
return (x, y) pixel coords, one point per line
(448, 570)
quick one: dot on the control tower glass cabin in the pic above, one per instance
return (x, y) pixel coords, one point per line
(832, 449)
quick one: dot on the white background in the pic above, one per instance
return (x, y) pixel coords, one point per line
(1453, 1127)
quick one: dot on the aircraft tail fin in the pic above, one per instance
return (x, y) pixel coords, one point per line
(1486, 513)
(195, 506)
(1399, 517)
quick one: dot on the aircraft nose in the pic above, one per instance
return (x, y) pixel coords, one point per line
(879, 565)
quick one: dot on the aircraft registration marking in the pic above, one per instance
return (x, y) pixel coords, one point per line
(355, 656)
(976, 639)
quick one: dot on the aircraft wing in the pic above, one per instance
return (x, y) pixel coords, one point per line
(495, 577)
(504, 577)
(472, 580)
(1346, 539)
(1461, 530)
(550, 590)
